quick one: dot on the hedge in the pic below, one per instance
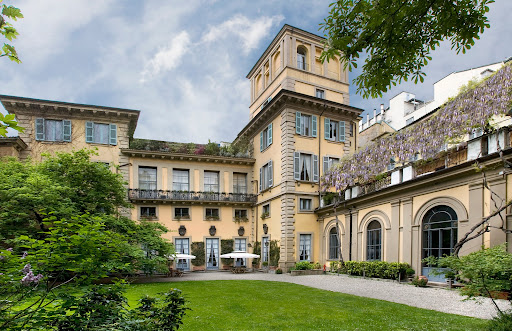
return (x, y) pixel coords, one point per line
(376, 269)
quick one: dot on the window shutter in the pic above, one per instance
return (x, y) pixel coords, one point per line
(66, 132)
(297, 123)
(39, 128)
(327, 128)
(261, 141)
(342, 131)
(270, 174)
(261, 179)
(89, 132)
(113, 134)
(269, 131)
(296, 165)
(315, 168)
(326, 164)
(313, 131)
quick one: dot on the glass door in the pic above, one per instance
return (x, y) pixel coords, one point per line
(182, 247)
(240, 245)
(212, 253)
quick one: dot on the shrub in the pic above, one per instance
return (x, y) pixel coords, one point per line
(377, 269)
(279, 271)
(256, 250)
(197, 249)
(274, 252)
(410, 272)
(226, 246)
(421, 282)
(502, 322)
(304, 265)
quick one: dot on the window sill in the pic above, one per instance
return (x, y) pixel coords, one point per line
(305, 182)
(53, 142)
(148, 219)
(100, 144)
(303, 136)
(264, 149)
(334, 141)
(266, 190)
(182, 219)
(305, 212)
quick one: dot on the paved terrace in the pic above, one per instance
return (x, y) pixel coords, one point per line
(440, 299)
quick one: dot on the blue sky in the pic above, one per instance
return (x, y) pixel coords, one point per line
(183, 63)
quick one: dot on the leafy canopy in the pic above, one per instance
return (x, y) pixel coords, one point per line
(8, 31)
(398, 36)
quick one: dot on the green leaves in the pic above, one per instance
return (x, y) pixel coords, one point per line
(9, 32)
(397, 36)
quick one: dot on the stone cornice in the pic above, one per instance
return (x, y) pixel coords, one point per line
(188, 157)
(16, 142)
(309, 103)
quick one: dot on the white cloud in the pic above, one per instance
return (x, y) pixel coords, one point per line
(251, 32)
(167, 58)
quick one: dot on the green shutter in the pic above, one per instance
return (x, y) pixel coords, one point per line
(342, 131)
(297, 123)
(66, 132)
(261, 141)
(113, 134)
(270, 174)
(296, 165)
(89, 132)
(315, 168)
(327, 128)
(313, 131)
(39, 128)
(269, 131)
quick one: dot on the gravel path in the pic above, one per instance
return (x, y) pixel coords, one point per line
(440, 299)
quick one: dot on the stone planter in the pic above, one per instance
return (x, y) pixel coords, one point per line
(307, 272)
(198, 268)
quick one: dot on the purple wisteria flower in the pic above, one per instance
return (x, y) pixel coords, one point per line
(29, 277)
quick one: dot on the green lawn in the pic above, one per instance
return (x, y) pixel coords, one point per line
(261, 305)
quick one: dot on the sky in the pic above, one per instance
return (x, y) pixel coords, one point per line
(184, 63)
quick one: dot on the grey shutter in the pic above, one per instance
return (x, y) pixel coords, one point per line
(39, 128)
(315, 168)
(261, 141)
(261, 179)
(326, 164)
(113, 134)
(297, 122)
(270, 174)
(313, 120)
(66, 132)
(296, 165)
(269, 131)
(342, 131)
(89, 132)
(327, 128)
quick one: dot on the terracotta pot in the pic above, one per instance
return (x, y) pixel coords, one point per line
(423, 277)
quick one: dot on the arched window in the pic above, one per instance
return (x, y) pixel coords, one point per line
(301, 57)
(439, 231)
(334, 244)
(374, 241)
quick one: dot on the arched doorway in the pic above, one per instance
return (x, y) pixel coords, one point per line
(374, 241)
(439, 236)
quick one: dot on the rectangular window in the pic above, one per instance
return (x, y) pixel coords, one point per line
(266, 137)
(181, 212)
(147, 212)
(53, 130)
(305, 167)
(212, 214)
(265, 210)
(305, 247)
(306, 204)
(320, 94)
(334, 130)
(147, 178)
(211, 181)
(239, 183)
(305, 125)
(101, 133)
(264, 249)
(180, 181)
(328, 162)
(241, 214)
(266, 176)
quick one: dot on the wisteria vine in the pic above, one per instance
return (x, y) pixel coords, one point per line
(471, 109)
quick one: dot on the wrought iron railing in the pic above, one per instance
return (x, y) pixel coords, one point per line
(136, 194)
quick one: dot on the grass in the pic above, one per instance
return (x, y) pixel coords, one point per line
(262, 305)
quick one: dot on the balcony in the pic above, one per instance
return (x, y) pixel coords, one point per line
(161, 195)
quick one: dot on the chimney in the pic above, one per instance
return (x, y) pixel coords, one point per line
(368, 118)
(375, 114)
(382, 108)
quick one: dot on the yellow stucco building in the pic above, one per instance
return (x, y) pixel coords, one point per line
(300, 124)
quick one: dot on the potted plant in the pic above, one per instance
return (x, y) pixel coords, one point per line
(264, 215)
(410, 273)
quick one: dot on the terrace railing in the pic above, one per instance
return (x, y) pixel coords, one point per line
(166, 195)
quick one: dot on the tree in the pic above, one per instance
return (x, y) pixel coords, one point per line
(398, 36)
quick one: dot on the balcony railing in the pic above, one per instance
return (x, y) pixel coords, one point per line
(136, 194)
